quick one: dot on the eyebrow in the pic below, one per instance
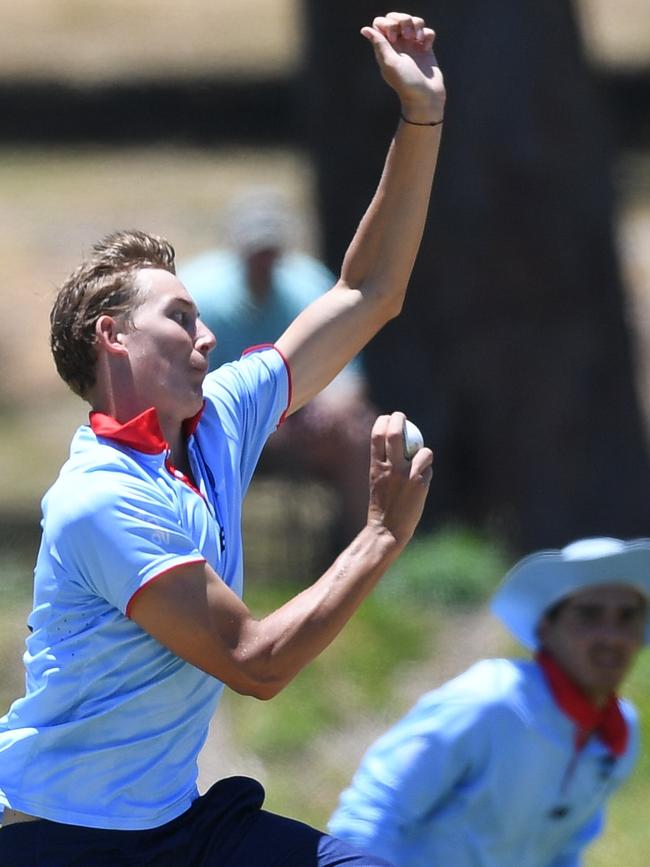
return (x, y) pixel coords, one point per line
(600, 606)
(189, 304)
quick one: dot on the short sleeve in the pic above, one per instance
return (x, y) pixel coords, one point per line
(115, 535)
(250, 398)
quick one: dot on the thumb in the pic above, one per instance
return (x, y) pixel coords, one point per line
(379, 42)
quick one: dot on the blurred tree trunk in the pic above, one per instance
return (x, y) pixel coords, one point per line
(512, 352)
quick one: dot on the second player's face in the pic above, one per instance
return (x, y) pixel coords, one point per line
(595, 637)
(168, 346)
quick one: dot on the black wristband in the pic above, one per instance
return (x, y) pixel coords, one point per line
(417, 123)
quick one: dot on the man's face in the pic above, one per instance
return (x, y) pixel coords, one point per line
(168, 346)
(595, 637)
(259, 270)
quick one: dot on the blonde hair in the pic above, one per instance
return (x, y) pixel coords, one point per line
(103, 284)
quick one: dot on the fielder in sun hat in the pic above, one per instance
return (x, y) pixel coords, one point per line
(541, 580)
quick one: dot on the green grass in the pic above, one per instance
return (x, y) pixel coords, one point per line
(353, 691)
(452, 567)
(626, 840)
(352, 677)
(309, 738)
(15, 605)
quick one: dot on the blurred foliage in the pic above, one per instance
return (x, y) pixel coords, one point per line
(358, 678)
(626, 840)
(454, 566)
(352, 677)
(15, 604)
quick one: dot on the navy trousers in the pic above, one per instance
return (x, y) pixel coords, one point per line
(226, 827)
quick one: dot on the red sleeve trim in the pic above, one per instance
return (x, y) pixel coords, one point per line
(258, 348)
(171, 568)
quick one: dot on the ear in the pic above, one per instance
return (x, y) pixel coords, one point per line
(110, 335)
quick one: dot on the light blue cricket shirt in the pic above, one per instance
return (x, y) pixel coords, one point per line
(109, 730)
(483, 773)
(217, 281)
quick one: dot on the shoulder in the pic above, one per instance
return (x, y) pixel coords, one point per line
(487, 682)
(96, 479)
(631, 717)
(302, 277)
(487, 690)
(257, 367)
(257, 387)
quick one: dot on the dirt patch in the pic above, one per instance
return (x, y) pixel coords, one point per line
(89, 42)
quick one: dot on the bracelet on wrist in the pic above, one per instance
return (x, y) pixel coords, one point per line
(417, 123)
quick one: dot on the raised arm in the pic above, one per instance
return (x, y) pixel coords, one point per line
(193, 613)
(378, 263)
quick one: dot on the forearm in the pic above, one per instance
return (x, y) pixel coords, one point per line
(381, 255)
(190, 610)
(379, 260)
(273, 650)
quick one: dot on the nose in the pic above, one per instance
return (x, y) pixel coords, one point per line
(205, 340)
(615, 633)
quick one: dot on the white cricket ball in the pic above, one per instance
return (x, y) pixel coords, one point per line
(413, 440)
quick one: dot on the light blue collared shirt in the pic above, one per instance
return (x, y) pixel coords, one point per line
(109, 730)
(483, 773)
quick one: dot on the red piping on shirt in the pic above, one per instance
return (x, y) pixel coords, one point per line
(129, 604)
(260, 346)
(180, 475)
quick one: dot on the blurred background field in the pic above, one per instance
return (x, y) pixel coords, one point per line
(429, 620)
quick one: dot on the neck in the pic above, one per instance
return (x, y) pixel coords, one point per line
(177, 445)
(590, 715)
(259, 284)
(597, 698)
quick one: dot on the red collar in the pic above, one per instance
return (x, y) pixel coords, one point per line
(142, 432)
(607, 723)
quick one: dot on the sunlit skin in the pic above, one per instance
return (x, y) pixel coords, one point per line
(595, 637)
(159, 357)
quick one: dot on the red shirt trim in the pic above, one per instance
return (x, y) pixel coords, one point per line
(129, 604)
(261, 346)
(142, 432)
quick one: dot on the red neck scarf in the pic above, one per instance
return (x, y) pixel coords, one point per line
(607, 722)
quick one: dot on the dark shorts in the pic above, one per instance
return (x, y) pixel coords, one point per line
(226, 827)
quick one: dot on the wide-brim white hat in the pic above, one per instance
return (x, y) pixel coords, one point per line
(539, 581)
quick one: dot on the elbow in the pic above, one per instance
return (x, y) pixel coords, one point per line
(382, 296)
(394, 308)
(267, 691)
(389, 303)
(258, 677)
(259, 688)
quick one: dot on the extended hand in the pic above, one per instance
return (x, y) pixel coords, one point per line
(404, 51)
(398, 488)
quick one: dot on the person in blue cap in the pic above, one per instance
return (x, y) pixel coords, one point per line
(511, 764)
(249, 292)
